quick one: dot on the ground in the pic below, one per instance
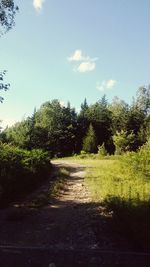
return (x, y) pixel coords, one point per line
(69, 230)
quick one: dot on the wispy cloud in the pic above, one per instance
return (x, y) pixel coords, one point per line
(87, 63)
(106, 85)
(38, 4)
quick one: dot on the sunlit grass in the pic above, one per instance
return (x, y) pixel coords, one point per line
(122, 184)
(112, 177)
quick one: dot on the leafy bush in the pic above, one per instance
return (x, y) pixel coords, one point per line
(102, 150)
(123, 142)
(123, 185)
(83, 154)
(139, 161)
(21, 170)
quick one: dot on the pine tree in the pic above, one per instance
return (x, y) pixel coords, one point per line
(89, 142)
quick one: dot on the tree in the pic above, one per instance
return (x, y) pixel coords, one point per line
(3, 86)
(143, 99)
(58, 124)
(101, 118)
(123, 142)
(89, 142)
(82, 124)
(119, 109)
(7, 15)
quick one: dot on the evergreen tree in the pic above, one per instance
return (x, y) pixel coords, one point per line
(101, 118)
(82, 125)
(89, 142)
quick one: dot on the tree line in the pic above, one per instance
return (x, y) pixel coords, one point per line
(117, 127)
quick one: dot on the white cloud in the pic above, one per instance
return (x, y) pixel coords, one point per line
(76, 56)
(86, 66)
(109, 84)
(38, 4)
(87, 63)
(79, 56)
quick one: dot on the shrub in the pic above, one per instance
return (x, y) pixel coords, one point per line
(102, 150)
(140, 160)
(83, 154)
(123, 142)
(21, 170)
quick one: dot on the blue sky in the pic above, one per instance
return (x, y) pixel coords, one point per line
(72, 49)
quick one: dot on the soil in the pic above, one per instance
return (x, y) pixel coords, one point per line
(69, 230)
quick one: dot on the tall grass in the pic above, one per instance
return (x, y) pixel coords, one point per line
(122, 184)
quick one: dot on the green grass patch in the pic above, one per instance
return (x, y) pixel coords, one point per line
(122, 184)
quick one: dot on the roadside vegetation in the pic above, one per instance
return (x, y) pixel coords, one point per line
(122, 185)
(21, 171)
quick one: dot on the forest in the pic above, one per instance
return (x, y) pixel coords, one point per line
(61, 131)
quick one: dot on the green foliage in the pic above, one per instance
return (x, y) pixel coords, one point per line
(101, 118)
(89, 142)
(21, 170)
(119, 109)
(102, 150)
(123, 142)
(3, 86)
(139, 161)
(51, 128)
(62, 132)
(82, 125)
(83, 154)
(123, 186)
(143, 99)
(7, 15)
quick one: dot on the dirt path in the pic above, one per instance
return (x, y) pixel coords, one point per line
(69, 231)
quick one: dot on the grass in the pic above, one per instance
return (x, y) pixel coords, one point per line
(122, 185)
(110, 176)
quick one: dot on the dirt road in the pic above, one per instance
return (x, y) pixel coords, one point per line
(69, 231)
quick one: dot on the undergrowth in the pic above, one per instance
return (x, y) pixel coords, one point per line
(122, 184)
(21, 171)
